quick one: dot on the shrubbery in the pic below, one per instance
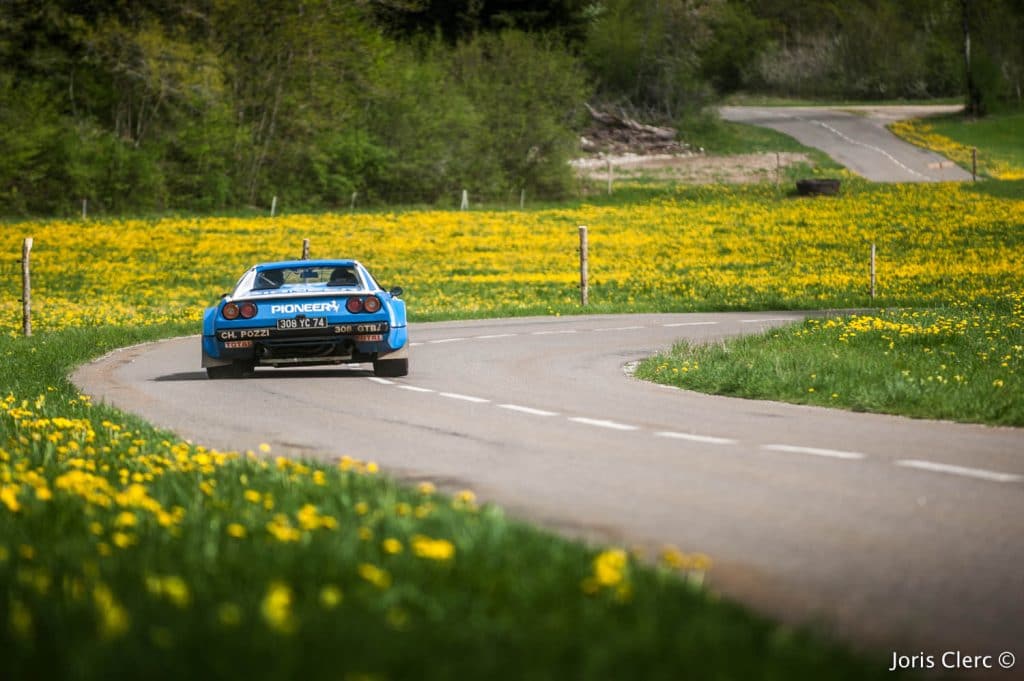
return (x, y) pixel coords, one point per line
(163, 110)
(145, 106)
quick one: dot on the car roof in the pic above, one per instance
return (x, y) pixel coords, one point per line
(306, 263)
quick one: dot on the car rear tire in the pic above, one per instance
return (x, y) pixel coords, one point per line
(234, 370)
(391, 367)
(220, 372)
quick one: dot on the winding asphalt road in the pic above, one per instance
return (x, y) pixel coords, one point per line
(898, 534)
(856, 137)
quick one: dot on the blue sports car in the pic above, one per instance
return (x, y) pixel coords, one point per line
(306, 312)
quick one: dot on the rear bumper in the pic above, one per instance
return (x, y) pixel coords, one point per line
(337, 343)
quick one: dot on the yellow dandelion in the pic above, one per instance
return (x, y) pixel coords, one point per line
(330, 596)
(236, 530)
(432, 549)
(379, 577)
(276, 608)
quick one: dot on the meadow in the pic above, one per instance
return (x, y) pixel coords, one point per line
(691, 248)
(963, 363)
(125, 551)
(997, 138)
(960, 358)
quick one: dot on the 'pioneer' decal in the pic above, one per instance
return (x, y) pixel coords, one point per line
(295, 308)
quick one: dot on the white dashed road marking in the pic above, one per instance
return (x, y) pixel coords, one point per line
(979, 473)
(602, 423)
(620, 328)
(814, 451)
(883, 152)
(673, 326)
(415, 389)
(528, 410)
(464, 398)
(705, 439)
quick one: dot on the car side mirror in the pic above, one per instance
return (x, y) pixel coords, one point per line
(396, 291)
(224, 295)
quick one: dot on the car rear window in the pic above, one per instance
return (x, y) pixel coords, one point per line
(283, 277)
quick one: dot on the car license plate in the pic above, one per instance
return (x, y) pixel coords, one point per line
(302, 323)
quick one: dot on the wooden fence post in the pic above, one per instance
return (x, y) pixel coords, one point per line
(85, 209)
(273, 206)
(353, 206)
(872, 271)
(583, 265)
(26, 288)
(465, 200)
(609, 177)
(974, 164)
(305, 249)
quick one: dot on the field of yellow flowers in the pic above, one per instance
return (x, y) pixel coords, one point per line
(694, 249)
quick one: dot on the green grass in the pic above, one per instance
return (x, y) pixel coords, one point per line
(998, 136)
(720, 137)
(98, 583)
(963, 364)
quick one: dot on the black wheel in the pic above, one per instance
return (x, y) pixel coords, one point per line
(220, 372)
(391, 367)
(236, 369)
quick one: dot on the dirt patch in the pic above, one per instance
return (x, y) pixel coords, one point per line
(689, 168)
(627, 149)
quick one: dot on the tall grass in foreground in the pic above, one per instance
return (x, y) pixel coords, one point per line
(963, 364)
(127, 553)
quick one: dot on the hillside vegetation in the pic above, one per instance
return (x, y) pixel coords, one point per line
(225, 104)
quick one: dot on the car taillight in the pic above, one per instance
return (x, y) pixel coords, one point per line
(247, 310)
(230, 311)
(354, 305)
(371, 304)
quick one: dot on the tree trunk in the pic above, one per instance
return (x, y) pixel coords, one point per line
(973, 95)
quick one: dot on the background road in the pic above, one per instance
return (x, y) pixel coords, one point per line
(887, 531)
(856, 137)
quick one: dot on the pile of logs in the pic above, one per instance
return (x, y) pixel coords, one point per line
(616, 134)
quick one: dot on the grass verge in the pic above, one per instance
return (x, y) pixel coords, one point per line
(998, 137)
(126, 553)
(962, 364)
